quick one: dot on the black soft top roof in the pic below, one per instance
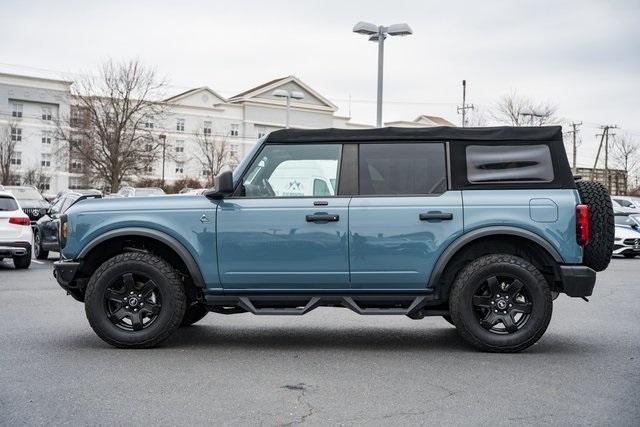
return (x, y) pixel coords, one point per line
(439, 133)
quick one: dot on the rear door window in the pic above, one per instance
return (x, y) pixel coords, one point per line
(8, 204)
(402, 169)
(509, 163)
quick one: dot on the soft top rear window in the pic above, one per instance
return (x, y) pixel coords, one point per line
(8, 204)
(509, 163)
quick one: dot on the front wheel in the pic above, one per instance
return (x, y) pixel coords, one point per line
(629, 255)
(135, 300)
(501, 303)
(37, 248)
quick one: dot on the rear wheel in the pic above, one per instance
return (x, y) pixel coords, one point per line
(629, 255)
(37, 248)
(501, 303)
(195, 313)
(135, 300)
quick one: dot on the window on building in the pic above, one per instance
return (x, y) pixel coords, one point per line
(16, 109)
(206, 129)
(148, 147)
(46, 113)
(46, 136)
(235, 129)
(16, 158)
(16, 134)
(233, 150)
(75, 182)
(45, 160)
(180, 125)
(45, 183)
(402, 169)
(148, 125)
(75, 165)
(260, 131)
(205, 172)
(179, 146)
(179, 167)
(148, 169)
(74, 120)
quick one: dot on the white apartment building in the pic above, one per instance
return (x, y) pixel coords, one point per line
(30, 105)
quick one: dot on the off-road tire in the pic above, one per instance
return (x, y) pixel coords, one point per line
(194, 313)
(40, 253)
(22, 262)
(464, 317)
(597, 253)
(169, 285)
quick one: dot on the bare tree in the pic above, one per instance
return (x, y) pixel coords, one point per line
(626, 155)
(107, 129)
(7, 149)
(214, 154)
(35, 177)
(516, 110)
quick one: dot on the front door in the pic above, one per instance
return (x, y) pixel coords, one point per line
(286, 228)
(403, 217)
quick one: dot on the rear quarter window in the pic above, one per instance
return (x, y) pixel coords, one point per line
(8, 204)
(509, 163)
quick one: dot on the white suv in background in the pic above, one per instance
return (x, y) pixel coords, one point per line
(15, 232)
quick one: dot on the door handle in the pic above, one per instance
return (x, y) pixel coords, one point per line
(322, 218)
(436, 216)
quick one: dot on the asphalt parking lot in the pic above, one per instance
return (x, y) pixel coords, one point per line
(328, 367)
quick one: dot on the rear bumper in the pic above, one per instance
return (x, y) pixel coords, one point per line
(15, 248)
(577, 280)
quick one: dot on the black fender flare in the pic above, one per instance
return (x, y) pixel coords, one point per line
(469, 237)
(175, 245)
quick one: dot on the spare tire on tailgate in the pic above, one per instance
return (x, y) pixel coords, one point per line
(597, 253)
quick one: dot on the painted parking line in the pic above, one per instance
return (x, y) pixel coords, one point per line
(37, 262)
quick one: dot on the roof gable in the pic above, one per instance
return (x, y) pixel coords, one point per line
(264, 93)
(197, 97)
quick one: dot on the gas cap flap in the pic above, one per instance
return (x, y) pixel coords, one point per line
(543, 210)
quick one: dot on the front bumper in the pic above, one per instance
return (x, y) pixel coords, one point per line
(65, 273)
(14, 248)
(577, 280)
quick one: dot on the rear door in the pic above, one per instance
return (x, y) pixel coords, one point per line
(404, 215)
(287, 227)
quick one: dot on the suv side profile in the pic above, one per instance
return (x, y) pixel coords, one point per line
(483, 226)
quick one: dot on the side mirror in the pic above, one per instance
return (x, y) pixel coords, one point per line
(223, 186)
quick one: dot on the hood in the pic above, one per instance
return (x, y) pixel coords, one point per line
(151, 203)
(33, 203)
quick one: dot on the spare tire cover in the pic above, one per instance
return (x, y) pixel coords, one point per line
(597, 253)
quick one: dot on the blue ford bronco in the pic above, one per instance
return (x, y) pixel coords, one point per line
(482, 226)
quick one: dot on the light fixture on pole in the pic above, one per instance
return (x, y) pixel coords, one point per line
(282, 93)
(378, 33)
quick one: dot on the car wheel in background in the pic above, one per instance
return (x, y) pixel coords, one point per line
(597, 253)
(22, 262)
(135, 300)
(629, 255)
(501, 303)
(37, 248)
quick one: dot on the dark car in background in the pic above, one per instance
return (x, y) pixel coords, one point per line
(31, 200)
(45, 233)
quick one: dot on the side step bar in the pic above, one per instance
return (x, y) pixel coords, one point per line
(299, 305)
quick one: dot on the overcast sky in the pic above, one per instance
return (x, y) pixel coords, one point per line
(583, 56)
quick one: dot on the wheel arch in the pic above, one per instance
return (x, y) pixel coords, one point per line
(160, 240)
(488, 240)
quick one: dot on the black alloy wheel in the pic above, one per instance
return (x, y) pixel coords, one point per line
(502, 304)
(133, 301)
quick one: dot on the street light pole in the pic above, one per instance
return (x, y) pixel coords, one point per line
(381, 37)
(282, 93)
(378, 33)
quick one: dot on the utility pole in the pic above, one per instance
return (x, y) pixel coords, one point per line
(604, 140)
(574, 131)
(464, 107)
(163, 139)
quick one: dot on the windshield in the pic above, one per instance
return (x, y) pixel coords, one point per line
(25, 193)
(625, 220)
(8, 204)
(149, 192)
